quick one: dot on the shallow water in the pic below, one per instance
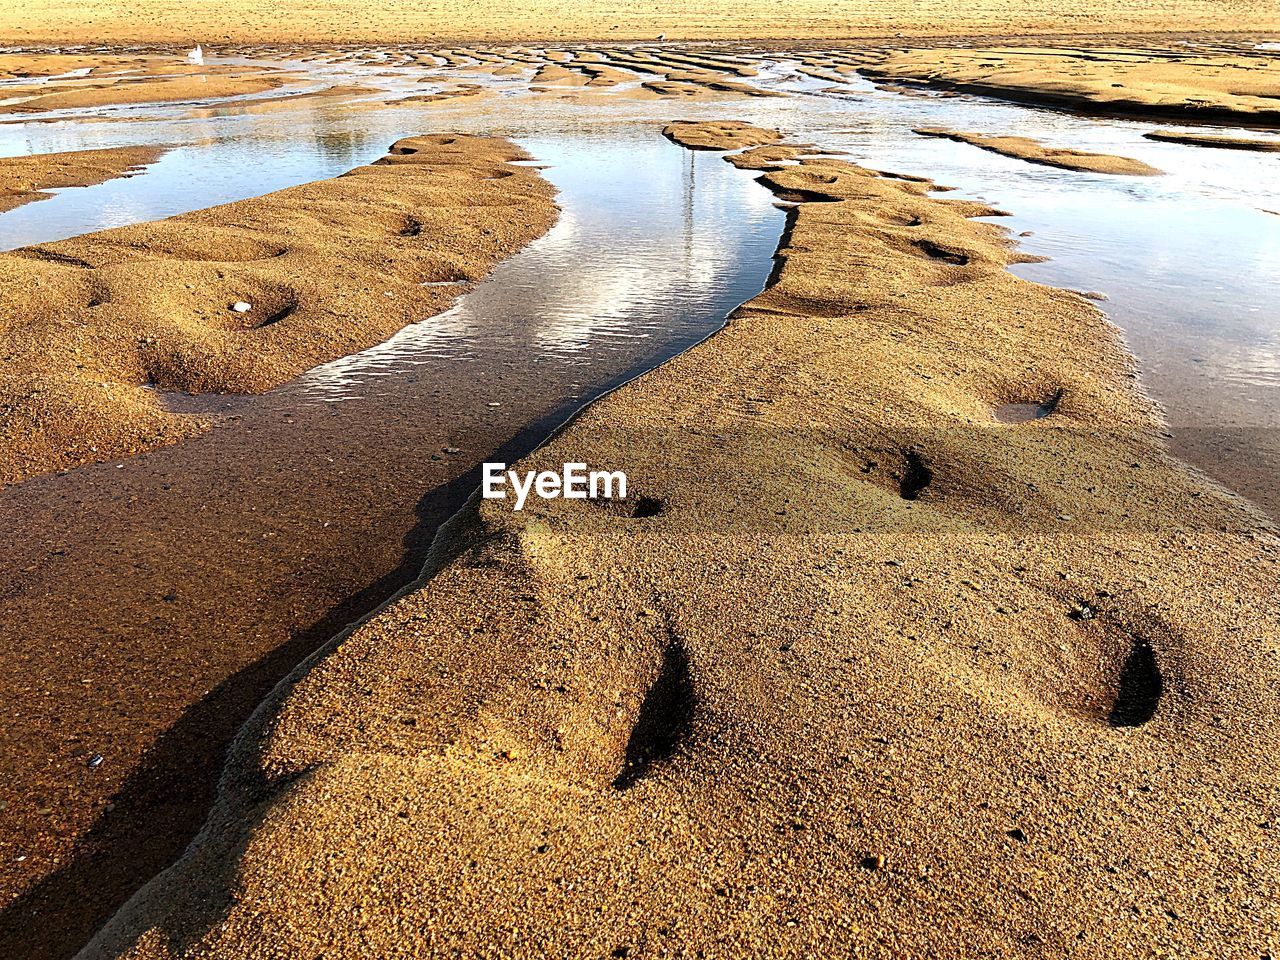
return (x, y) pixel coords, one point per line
(655, 247)
(1187, 261)
(189, 579)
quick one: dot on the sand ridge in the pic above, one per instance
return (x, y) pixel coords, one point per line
(98, 328)
(1215, 140)
(718, 134)
(1032, 151)
(176, 89)
(27, 178)
(861, 649)
(1191, 85)
(1227, 79)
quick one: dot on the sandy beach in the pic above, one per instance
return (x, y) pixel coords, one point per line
(361, 21)
(836, 561)
(925, 628)
(1195, 85)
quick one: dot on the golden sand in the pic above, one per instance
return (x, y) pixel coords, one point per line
(718, 134)
(95, 329)
(870, 663)
(1032, 151)
(27, 178)
(339, 21)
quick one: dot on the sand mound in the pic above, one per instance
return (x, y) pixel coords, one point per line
(96, 329)
(24, 179)
(718, 134)
(130, 91)
(863, 665)
(1024, 148)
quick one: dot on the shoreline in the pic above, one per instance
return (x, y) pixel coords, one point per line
(656, 702)
(30, 178)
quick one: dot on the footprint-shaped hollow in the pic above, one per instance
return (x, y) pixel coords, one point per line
(1025, 412)
(1138, 688)
(916, 475)
(664, 721)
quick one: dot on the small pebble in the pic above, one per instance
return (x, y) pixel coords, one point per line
(241, 307)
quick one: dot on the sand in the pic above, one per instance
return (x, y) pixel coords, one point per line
(718, 134)
(338, 93)
(28, 178)
(83, 63)
(337, 21)
(1215, 140)
(911, 640)
(1032, 151)
(129, 92)
(96, 329)
(1239, 87)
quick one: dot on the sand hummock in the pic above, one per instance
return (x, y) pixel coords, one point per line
(718, 134)
(1033, 151)
(242, 297)
(865, 665)
(27, 178)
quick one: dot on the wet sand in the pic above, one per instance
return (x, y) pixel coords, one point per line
(1189, 85)
(132, 91)
(674, 662)
(240, 298)
(120, 634)
(1215, 140)
(187, 581)
(1024, 148)
(863, 651)
(28, 178)
(718, 135)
